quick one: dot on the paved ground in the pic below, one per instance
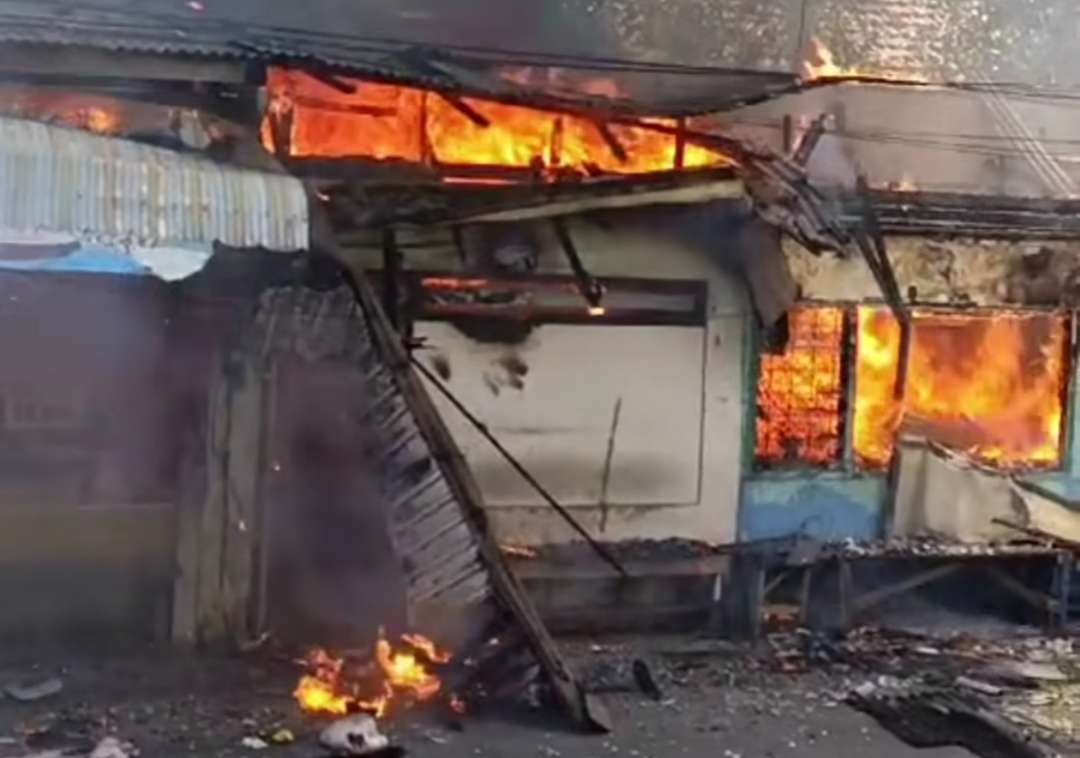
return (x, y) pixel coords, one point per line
(174, 706)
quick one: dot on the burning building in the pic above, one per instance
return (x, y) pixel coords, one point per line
(419, 305)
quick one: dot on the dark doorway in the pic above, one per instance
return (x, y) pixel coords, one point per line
(333, 577)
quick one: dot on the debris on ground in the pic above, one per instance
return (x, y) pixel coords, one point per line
(355, 735)
(254, 743)
(283, 737)
(111, 747)
(1008, 694)
(645, 681)
(28, 692)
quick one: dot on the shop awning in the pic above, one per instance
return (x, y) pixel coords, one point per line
(126, 194)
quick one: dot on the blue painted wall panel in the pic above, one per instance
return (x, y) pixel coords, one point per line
(826, 506)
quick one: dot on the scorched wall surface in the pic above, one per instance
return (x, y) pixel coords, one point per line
(673, 468)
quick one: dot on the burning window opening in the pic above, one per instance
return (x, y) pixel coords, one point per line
(800, 393)
(991, 385)
(332, 686)
(387, 122)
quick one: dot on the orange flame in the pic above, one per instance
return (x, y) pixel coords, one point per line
(989, 385)
(317, 696)
(820, 63)
(404, 672)
(800, 392)
(427, 647)
(324, 688)
(519, 551)
(388, 122)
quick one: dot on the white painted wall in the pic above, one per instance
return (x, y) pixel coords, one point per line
(561, 419)
(675, 465)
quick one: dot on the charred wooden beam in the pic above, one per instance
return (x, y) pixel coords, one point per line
(612, 141)
(877, 258)
(466, 110)
(393, 263)
(787, 134)
(809, 142)
(680, 146)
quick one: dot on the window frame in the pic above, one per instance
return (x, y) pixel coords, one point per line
(848, 466)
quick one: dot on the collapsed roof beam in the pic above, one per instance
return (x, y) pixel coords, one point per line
(612, 142)
(466, 110)
(871, 242)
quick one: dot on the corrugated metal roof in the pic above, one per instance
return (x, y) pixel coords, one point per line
(475, 40)
(121, 192)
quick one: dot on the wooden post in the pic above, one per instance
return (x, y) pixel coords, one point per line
(242, 487)
(392, 265)
(787, 134)
(216, 535)
(209, 603)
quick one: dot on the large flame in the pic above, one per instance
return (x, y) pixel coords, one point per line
(989, 385)
(325, 688)
(800, 392)
(388, 122)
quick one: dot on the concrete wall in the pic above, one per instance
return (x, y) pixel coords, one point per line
(676, 448)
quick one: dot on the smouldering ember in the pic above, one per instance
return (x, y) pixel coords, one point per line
(388, 122)
(989, 385)
(402, 675)
(517, 551)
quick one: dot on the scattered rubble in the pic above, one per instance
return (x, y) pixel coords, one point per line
(111, 747)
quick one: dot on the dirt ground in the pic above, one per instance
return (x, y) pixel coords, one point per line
(173, 705)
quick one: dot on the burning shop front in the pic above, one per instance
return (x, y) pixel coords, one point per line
(988, 374)
(285, 474)
(169, 475)
(576, 282)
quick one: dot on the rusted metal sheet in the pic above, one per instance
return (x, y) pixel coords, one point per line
(125, 193)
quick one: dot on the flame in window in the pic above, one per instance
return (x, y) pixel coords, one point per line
(990, 385)
(800, 393)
